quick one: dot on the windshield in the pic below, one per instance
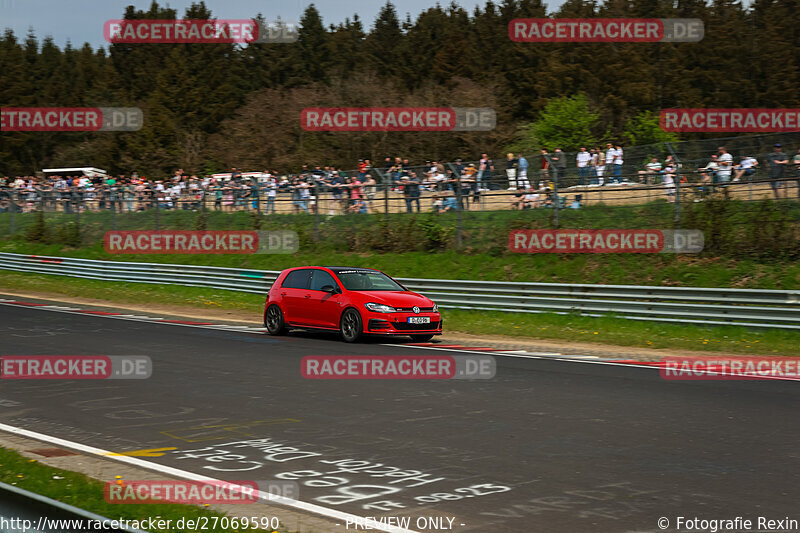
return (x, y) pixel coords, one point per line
(367, 280)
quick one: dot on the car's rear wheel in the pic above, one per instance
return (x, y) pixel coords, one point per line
(350, 325)
(421, 338)
(274, 320)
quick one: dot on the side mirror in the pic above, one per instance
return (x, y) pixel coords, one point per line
(330, 289)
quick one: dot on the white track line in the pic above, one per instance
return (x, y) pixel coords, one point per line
(585, 359)
(183, 474)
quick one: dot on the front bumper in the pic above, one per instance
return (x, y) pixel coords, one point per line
(397, 324)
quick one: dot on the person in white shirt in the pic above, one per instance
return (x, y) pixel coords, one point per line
(669, 182)
(582, 162)
(746, 167)
(725, 162)
(271, 186)
(618, 163)
(611, 153)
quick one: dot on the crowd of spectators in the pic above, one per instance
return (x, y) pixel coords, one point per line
(330, 190)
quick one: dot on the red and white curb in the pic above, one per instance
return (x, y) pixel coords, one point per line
(125, 316)
(428, 346)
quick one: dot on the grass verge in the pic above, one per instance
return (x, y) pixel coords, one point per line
(606, 330)
(608, 269)
(81, 491)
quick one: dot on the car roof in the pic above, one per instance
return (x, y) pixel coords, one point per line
(358, 269)
(336, 269)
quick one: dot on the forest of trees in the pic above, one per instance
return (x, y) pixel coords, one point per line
(208, 107)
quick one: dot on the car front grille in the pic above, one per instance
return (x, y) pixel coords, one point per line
(411, 309)
(405, 326)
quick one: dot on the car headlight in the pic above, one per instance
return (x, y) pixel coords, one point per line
(435, 308)
(380, 308)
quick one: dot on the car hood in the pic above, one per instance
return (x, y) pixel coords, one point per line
(397, 298)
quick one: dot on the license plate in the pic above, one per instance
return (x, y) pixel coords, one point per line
(419, 320)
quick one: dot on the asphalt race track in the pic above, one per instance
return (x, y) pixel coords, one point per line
(545, 446)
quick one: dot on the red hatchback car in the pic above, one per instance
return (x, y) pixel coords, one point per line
(355, 301)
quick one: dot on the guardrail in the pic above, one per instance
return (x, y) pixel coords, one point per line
(697, 305)
(40, 514)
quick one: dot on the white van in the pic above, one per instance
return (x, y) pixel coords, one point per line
(89, 172)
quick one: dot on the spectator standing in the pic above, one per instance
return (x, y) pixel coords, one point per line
(725, 162)
(411, 192)
(618, 163)
(370, 189)
(227, 196)
(669, 181)
(255, 196)
(128, 194)
(559, 160)
(335, 183)
(594, 162)
(271, 186)
(777, 161)
(356, 190)
(485, 170)
(582, 161)
(796, 163)
(522, 172)
(544, 169)
(609, 157)
(458, 168)
(511, 171)
(465, 181)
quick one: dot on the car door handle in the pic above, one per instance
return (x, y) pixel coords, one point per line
(283, 294)
(308, 296)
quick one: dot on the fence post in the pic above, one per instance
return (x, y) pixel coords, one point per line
(677, 181)
(317, 206)
(12, 208)
(114, 213)
(385, 193)
(155, 197)
(556, 200)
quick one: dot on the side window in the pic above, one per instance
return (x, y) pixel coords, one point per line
(296, 279)
(320, 278)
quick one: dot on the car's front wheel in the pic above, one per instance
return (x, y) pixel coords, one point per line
(350, 326)
(421, 338)
(274, 321)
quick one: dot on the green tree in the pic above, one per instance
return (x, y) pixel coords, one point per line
(644, 128)
(566, 122)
